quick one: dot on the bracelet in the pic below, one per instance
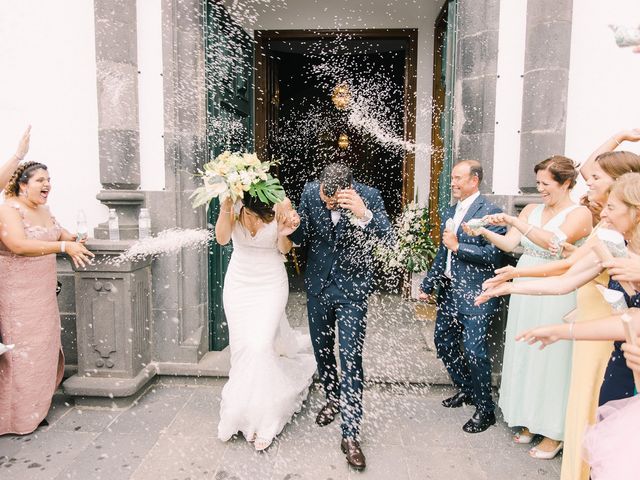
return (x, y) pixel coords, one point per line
(63, 246)
(572, 337)
(225, 211)
(528, 231)
(18, 157)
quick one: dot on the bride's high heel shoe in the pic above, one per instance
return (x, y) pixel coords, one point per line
(261, 444)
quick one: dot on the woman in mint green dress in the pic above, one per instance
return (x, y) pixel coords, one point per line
(535, 383)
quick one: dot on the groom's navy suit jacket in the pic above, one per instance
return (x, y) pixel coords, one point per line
(473, 263)
(342, 253)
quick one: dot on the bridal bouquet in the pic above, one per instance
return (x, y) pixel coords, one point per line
(231, 174)
(413, 249)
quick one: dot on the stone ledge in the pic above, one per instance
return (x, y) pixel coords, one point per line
(212, 364)
(109, 386)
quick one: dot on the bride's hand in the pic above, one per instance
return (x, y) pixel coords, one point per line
(288, 223)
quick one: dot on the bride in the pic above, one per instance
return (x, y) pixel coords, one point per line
(271, 365)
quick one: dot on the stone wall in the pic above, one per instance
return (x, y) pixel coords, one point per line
(475, 85)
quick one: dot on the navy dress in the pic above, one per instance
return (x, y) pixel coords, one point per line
(618, 378)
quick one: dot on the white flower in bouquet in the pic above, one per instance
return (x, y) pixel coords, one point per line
(231, 174)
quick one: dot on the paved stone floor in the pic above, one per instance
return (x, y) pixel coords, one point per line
(170, 433)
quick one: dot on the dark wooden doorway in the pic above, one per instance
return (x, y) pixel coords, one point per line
(281, 87)
(297, 122)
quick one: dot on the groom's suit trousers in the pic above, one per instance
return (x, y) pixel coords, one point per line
(332, 307)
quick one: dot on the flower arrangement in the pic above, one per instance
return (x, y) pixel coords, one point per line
(231, 174)
(413, 249)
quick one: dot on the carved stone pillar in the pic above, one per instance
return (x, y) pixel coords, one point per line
(118, 125)
(113, 305)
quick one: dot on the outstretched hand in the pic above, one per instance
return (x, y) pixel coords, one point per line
(545, 335)
(504, 274)
(497, 291)
(498, 219)
(632, 135)
(23, 146)
(624, 269)
(632, 356)
(79, 253)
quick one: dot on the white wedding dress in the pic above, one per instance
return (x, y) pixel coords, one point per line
(271, 364)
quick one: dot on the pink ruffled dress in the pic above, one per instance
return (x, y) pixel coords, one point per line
(29, 318)
(612, 445)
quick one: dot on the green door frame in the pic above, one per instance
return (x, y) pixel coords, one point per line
(229, 127)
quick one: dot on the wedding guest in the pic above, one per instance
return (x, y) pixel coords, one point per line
(29, 318)
(8, 167)
(534, 389)
(462, 263)
(589, 359)
(622, 214)
(610, 452)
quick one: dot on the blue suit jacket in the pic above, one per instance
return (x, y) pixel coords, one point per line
(473, 263)
(343, 253)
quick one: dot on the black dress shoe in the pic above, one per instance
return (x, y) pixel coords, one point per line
(327, 413)
(479, 422)
(351, 448)
(457, 400)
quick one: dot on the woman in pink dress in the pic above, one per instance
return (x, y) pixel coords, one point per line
(29, 318)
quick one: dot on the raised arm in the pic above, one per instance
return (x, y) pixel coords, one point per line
(286, 225)
(224, 223)
(8, 167)
(300, 235)
(609, 145)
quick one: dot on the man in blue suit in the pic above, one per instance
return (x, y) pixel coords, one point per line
(461, 265)
(340, 222)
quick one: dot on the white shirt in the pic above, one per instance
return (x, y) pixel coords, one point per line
(461, 209)
(368, 216)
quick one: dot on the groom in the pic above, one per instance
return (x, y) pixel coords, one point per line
(340, 220)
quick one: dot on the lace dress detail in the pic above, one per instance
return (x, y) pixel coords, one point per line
(271, 364)
(29, 318)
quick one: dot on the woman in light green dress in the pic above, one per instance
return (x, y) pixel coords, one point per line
(535, 383)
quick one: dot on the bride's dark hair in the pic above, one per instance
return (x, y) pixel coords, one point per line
(263, 210)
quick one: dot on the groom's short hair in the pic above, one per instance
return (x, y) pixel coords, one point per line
(334, 177)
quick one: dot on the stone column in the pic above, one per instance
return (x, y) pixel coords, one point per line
(180, 282)
(475, 90)
(546, 85)
(113, 300)
(118, 135)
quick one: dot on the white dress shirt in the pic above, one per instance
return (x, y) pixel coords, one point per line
(461, 209)
(368, 216)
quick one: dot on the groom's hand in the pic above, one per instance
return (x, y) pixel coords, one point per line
(349, 199)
